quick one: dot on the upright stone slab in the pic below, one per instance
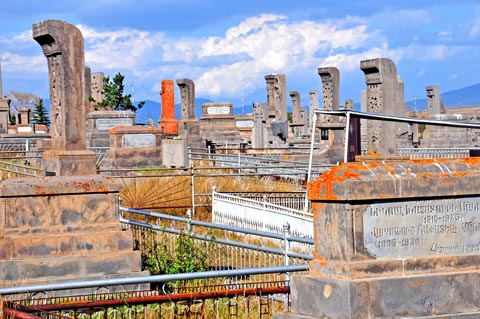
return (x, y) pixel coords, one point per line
(297, 123)
(4, 108)
(398, 239)
(62, 45)
(97, 86)
(168, 124)
(88, 90)
(188, 126)
(434, 100)
(218, 124)
(260, 117)
(277, 96)
(334, 125)
(313, 101)
(381, 81)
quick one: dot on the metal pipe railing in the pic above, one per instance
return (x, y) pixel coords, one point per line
(149, 279)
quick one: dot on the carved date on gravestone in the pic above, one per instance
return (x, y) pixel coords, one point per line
(423, 228)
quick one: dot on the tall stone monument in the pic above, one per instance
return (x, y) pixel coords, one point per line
(434, 100)
(259, 131)
(63, 46)
(168, 124)
(88, 90)
(97, 86)
(382, 97)
(297, 123)
(332, 128)
(4, 108)
(277, 96)
(188, 126)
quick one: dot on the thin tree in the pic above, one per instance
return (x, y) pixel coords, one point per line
(40, 114)
(113, 97)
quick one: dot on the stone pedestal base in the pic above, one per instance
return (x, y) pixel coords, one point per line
(452, 295)
(69, 163)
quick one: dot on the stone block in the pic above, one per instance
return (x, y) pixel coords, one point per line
(439, 296)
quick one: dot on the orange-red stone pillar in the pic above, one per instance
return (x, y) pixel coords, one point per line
(168, 124)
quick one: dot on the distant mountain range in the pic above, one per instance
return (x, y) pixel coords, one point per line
(467, 96)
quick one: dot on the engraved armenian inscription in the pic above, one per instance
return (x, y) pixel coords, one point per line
(423, 228)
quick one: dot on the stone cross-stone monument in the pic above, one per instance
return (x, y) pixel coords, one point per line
(297, 123)
(97, 86)
(168, 124)
(4, 108)
(88, 90)
(277, 96)
(63, 46)
(382, 89)
(330, 77)
(187, 98)
(434, 100)
(188, 126)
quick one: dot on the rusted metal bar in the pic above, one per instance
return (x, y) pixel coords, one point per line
(102, 304)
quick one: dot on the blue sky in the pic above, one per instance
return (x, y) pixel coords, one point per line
(227, 47)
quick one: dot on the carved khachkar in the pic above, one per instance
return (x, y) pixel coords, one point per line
(168, 124)
(62, 44)
(434, 100)
(88, 90)
(313, 101)
(330, 77)
(277, 96)
(4, 108)
(97, 86)
(297, 123)
(187, 98)
(382, 89)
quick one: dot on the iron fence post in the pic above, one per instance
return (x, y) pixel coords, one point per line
(286, 233)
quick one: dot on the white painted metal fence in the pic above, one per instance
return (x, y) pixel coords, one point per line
(260, 215)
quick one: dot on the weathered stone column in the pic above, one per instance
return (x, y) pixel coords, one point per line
(97, 86)
(187, 98)
(188, 126)
(296, 116)
(88, 90)
(168, 124)
(260, 116)
(277, 96)
(434, 100)
(62, 45)
(381, 80)
(4, 108)
(313, 101)
(330, 77)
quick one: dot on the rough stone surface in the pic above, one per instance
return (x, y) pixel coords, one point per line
(174, 153)
(218, 124)
(63, 46)
(63, 228)
(277, 96)
(443, 296)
